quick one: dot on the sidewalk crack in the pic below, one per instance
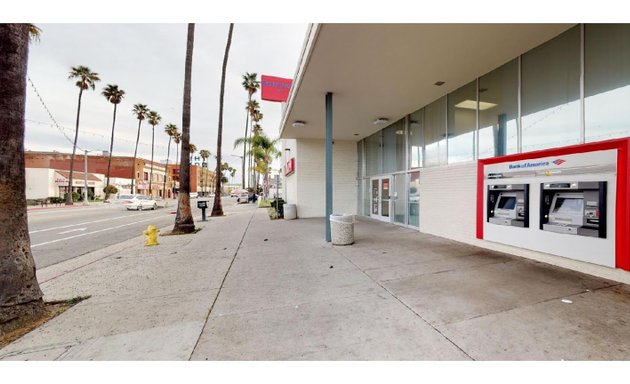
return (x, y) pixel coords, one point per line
(192, 352)
(407, 306)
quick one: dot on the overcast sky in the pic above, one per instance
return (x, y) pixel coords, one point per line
(147, 62)
(147, 59)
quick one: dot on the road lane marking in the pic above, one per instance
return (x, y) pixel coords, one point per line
(72, 230)
(91, 233)
(87, 222)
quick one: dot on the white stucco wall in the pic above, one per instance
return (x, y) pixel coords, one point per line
(40, 183)
(448, 201)
(308, 182)
(290, 182)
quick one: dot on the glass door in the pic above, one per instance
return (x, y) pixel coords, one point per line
(380, 198)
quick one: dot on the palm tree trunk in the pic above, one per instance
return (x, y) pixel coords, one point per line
(111, 148)
(184, 222)
(74, 149)
(135, 153)
(245, 143)
(217, 209)
(20, 295)
(151, 172)
(168, 153)
(251, 157)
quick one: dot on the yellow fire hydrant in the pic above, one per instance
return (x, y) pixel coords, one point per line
(152, 235)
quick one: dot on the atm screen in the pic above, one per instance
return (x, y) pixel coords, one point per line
(569, 205)
(507, 202)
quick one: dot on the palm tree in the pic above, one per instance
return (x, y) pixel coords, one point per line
(154, 119)
(184, 222)
(251, 85)
(141, 111)
(225, 167)
(20, 295)
(217, 209)
(253, 108)
(85, 79)
(114, 96)
(192, 148)
(171, 131)
(257, 129)
(263, 151)
(204, 153)
(267, 153)
(177, 138)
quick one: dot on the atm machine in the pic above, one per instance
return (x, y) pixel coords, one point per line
(574, 208)
(508, 204)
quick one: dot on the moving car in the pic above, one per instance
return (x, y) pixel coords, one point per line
(242, 197)
(137, 202)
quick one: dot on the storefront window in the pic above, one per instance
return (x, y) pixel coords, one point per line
(551, 93)
(414, 199)
(435, 133)
(400, 197)
(606, 81)
(360, 172)
(366, 197)
(462, 126)
(373, 154)
(415, 140)
(394, 147)
(498, 111)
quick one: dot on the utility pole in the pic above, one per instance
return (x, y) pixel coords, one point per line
(85, 168)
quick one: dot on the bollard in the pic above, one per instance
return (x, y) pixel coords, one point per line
(152, 235)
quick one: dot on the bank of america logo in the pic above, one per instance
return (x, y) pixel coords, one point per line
(559, 162)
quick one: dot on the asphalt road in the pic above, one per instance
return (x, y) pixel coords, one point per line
(60, 234)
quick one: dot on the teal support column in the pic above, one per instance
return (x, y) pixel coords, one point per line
(329, 163)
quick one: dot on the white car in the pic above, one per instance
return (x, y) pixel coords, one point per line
(243, 198)
(137, 202)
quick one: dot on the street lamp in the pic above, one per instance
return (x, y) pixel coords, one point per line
(85, 180)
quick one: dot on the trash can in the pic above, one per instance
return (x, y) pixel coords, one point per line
(290, 212)
(278, 204)
(342, 229)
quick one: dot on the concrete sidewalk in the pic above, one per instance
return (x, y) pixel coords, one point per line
(247, 288)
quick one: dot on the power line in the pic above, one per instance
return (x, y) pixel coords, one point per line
(41, 99)
(95, 134)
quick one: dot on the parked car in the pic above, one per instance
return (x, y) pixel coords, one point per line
(137, 202)
(242, 197)
(193, 195)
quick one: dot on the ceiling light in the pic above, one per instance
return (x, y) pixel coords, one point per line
(298, 124)
(439, 83)
(472, 104)
(381, 120)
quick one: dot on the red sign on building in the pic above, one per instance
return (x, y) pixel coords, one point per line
(289, 167)
(275, 88)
